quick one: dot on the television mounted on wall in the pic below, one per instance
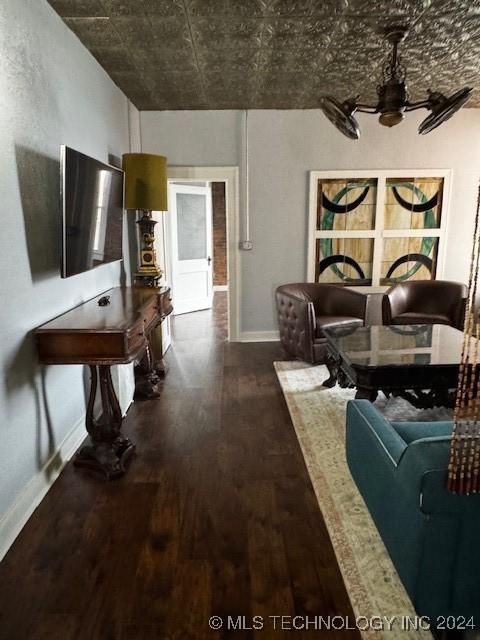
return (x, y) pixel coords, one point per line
(92, 207)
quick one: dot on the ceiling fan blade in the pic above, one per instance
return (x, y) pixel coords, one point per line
(340, 115)
(444, 108)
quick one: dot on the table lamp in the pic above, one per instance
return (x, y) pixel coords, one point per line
(146, 190)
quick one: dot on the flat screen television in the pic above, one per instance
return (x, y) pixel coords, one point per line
(92, 202)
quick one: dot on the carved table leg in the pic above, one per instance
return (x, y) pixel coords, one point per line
(106, 449)
(366, 394)
(332, 366)
(445, 398)
(438, 397)
(146, 376)
(156, 346)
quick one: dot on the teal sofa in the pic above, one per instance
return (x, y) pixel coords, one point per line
(432, 536)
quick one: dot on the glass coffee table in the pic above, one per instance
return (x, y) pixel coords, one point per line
(417, 362)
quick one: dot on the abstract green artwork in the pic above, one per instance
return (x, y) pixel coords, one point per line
(349, 207)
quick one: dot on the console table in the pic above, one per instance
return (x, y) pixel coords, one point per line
(116, 327)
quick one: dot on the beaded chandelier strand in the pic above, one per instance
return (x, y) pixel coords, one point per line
(464, 465)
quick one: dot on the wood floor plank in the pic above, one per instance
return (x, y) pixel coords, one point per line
(268, 566)
(192, 585)
(215, 516)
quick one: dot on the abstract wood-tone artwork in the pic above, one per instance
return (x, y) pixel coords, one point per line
(411, 203)
(408, 259)
(376, 230)
(345, 205)
(345, 261)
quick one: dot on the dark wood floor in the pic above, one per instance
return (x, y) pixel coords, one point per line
(216, 515)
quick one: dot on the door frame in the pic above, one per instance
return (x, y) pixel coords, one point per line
(230, 176)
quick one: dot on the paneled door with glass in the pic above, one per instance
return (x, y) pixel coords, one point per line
(190, 218)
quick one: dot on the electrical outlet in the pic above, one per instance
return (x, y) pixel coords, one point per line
(246, 245)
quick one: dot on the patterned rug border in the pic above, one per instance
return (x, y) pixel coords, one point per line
(362, 600)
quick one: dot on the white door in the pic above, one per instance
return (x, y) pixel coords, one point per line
(190, 217)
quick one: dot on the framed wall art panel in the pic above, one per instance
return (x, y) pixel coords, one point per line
(376, 228)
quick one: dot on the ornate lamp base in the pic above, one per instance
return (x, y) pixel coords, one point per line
(148, 273)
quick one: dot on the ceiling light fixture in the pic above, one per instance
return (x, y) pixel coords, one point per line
(393, 100)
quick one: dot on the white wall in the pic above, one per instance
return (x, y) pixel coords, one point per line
(284, 147)
(52, 92)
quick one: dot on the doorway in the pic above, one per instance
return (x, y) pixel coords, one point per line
(190, 239)
(201, 279)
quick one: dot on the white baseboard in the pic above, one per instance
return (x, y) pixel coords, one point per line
(220, 287)
(259, 336)
(17, 516)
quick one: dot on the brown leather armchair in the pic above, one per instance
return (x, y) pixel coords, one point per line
(304, 309)
(425, 302)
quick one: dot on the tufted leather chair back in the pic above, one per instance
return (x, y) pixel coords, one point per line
(296, 321)
(300, 306)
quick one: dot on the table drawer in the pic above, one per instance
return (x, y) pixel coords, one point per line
(151, 315)
(81, 347)
(136, 337)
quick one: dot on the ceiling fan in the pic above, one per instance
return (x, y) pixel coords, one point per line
(393, 100)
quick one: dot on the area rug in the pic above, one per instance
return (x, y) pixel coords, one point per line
(318, 415)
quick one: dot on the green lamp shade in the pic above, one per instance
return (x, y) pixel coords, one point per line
(145, 181)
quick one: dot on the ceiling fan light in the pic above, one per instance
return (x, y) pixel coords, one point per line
(393, 100)
(391, 118)
(443, 108)
(341, 116)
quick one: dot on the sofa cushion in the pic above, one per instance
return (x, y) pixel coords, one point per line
(411, 431)
(382, 436)
(323, 322)
(410, 317)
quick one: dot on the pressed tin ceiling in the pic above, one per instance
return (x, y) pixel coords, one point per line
(273, 54)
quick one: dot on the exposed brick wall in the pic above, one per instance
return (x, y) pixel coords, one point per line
(219, 234)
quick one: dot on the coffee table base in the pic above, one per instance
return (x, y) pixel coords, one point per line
(366, 394)
(440, 396)
(418, 362)
(427, 399)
